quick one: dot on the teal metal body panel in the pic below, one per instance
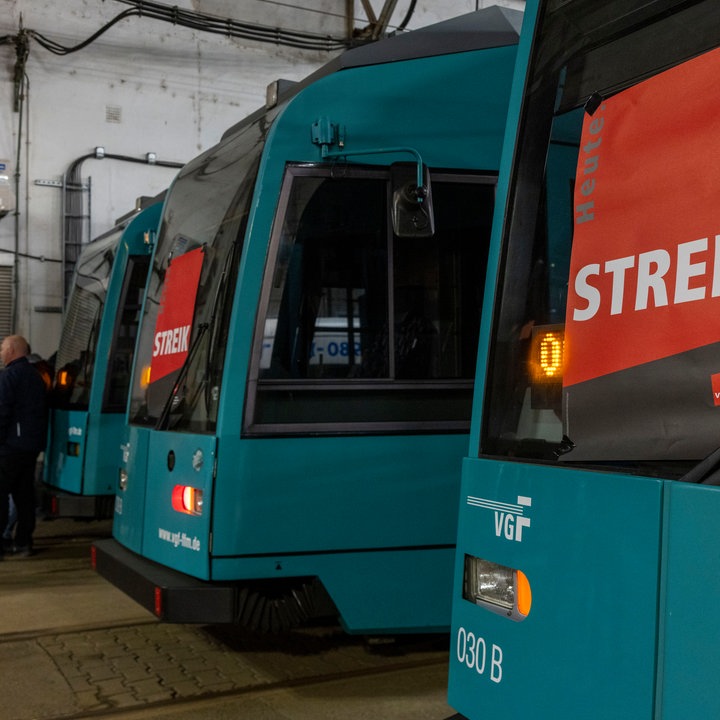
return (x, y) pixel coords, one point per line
(93, 471)
(105, 433)
(689, 653)
(62, 470)
(587, 647)
(169, 537)
(129, 517)
(623, 572)
(310, 495)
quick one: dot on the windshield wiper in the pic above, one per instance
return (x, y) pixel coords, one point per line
(162, 421)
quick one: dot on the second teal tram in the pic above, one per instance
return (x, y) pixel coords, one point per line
(302, 386)
(93, 366)
(587, 563)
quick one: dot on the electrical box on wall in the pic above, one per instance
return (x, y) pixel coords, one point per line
(7, 196)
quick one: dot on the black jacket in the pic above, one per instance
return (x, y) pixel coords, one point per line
(23, 409)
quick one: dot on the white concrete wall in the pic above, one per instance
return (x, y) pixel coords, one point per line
(144, 86)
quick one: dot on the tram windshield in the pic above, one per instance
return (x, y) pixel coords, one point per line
(178, 367)
(78, 343)
(362, 330)
(605, 347)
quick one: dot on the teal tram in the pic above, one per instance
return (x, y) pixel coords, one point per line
(587, 562)
(93, 366)
(302, 388)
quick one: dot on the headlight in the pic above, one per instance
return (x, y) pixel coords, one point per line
(500, 589)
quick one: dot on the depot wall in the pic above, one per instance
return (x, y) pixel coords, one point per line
(142, 87)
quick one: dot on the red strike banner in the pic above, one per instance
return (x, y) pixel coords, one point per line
(171, 341)
(645, 266)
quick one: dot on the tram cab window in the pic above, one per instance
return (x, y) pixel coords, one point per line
(358, 328)
(206, 212)
(593, 246)
(78, 345)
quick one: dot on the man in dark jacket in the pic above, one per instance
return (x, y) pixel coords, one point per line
(23, 431)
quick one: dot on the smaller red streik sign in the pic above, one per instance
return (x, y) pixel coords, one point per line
(171, 341)
(645, 266)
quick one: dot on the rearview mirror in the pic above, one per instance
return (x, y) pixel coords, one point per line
(412, 210)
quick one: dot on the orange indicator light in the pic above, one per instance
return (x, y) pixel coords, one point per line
(523, 593)
(145, 376)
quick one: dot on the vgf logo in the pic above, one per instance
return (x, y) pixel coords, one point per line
(510, 518)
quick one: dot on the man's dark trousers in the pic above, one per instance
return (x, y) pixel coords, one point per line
(17, 478)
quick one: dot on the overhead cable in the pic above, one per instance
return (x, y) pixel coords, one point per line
(205, 23)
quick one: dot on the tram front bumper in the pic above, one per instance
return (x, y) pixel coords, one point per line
(168, 594)
(60, 504)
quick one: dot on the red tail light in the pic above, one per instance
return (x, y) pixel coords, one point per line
(187, 499)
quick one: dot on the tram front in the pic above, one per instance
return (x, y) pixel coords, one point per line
(587, 565)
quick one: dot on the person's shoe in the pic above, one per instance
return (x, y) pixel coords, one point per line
(23, 551)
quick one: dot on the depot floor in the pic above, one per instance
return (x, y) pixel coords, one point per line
(72, 646)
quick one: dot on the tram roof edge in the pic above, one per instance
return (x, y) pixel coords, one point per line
(479, 30)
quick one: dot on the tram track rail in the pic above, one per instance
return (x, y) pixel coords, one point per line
(29, 635)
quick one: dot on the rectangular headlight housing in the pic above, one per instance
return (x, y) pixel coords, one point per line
(500, 589)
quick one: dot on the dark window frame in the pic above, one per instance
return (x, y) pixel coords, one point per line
(339, 389)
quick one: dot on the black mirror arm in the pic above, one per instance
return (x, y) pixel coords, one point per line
(421, 192)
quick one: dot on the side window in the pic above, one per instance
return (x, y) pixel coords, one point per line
(360, 329)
